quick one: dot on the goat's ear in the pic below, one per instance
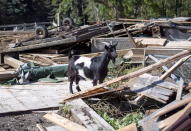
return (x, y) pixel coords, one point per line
(106, 47)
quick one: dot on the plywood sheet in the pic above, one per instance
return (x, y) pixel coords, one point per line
(34, 96)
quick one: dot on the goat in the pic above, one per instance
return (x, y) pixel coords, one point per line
(96, 68)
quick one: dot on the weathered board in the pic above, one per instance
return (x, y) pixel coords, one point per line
(34, 96)
(86, 116)
(153, 87)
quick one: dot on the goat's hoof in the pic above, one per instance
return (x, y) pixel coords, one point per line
(79, 90)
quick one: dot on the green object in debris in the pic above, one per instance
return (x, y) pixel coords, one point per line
(49, 72)
(50, 79)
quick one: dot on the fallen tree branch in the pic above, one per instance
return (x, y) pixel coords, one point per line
(100, 88)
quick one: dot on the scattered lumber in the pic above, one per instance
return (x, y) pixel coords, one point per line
(83, 114)
(152, 87)
(174, 77)
(12, 62)
(174, 67)
(171, 121)
(152, 122)
(183, 121)
(101, 88)
(174, 106)
(63, 122)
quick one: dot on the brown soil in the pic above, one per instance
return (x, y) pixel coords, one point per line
(22, 122)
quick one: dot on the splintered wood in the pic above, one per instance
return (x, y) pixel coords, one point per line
(63, 122)
(101, 88)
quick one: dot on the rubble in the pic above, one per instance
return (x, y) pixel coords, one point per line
(160, 46)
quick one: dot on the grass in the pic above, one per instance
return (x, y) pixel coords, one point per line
(66, 109)
(122, 122)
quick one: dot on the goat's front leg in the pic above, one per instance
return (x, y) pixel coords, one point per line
(77, 84)
(95, 81)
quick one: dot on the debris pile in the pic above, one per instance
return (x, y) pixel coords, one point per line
(153, 95)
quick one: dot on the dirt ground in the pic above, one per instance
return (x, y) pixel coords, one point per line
(22, 122)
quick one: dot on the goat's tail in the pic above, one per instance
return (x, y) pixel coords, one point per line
(70, 54)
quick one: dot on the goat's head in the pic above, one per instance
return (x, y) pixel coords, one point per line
(110, 47)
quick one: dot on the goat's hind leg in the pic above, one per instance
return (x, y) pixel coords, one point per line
(77, 84)
(71, 83)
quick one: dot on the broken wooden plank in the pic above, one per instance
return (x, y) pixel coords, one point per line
(178, 44)
(55, 128)
(164, 67)
(63, 122)
(12, 62)
(45, 60)
(40, 127)
(40, 45)
(174, 106)
(34, 96)
(179, 92)
(173, 118)
(87, 116)
(151, 41)
(7, 75)
(27, 60)
(152, 87)
(131, 38)
(181, 118)
(130, 75)
(174, 67)
(2, 69)
(130, 127)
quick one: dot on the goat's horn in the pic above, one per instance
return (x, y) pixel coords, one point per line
(111, 42)
(106, 43)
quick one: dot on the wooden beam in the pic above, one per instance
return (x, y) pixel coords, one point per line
(82, 113)
(130, 75)
(12, 62)
(174, 106)
(40, 45)
(34, 61)
(165, 68)
(174, 67)
(45, 60)
(7, 75)
(63, 122)
(2, 69)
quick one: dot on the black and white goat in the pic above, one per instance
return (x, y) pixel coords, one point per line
(96, 68)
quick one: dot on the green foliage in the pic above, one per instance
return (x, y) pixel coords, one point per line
(19, 11)
(122, 122)
(66, 109)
